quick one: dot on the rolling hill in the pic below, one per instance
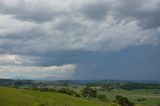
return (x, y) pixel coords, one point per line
(20, 97)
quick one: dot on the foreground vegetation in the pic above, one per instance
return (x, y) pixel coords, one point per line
(21, 97)
(75, 93)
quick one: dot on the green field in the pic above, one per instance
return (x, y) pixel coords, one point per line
(21, 97)
(152, 97)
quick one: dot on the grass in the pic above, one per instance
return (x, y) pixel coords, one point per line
(20, 97)
(152, 96)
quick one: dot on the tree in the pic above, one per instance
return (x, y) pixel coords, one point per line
(66, 91)
(89, 92)
(123, 101)
(77, 95)
(102, 97)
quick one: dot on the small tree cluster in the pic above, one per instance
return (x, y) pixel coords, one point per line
(141, 99)
(123, 101)
(66, 91)
(77, 95)
(102, 97)
(89, 92)
(47, 90)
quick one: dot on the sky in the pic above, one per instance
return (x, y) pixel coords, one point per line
(80, 39)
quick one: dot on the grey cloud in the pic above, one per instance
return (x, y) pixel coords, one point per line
(147, 12)
(120, 26)
(51, 32)
(51, 37)
(36, 11)
(97, 10)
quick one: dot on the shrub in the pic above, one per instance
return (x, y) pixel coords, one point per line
(43, 89)
(89, 92)
(102, 97)
(141, 99)
(66, 91)
(77, 95)
(123, 101)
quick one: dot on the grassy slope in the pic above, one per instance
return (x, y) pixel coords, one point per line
(19, 97)
(151, 98)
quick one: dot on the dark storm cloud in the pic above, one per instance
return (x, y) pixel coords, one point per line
(76, 32)
(147, 13)
(138, 63)
(77, 25)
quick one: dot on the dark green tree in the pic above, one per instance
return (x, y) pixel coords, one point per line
(66, 91)
(89, 92)
(77, 95)
(123, 101)
(102, 97)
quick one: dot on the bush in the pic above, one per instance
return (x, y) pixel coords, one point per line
(123, 101)
(102, 97)
(43, 89)
(66, 91)
(77, 95)
(141, 99)
(89, 92)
